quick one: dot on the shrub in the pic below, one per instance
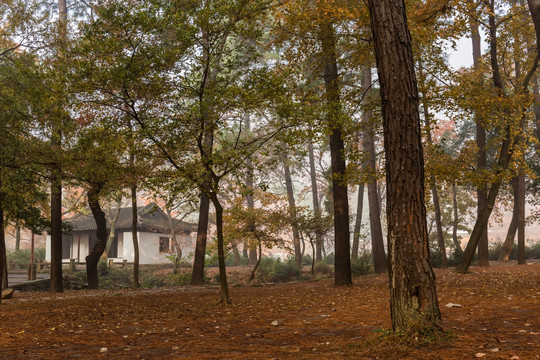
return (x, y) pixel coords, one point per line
(362, 265)
(323, 268)
(21, 258)
(275, 270)
(329, 259)
(306, 260)
(153, 280)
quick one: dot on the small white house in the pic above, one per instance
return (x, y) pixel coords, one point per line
(153, 232)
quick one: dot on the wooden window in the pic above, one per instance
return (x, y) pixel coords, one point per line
(164, 244)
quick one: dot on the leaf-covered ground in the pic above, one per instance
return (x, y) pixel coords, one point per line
(499, 318)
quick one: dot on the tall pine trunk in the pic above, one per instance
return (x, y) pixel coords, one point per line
(342, 266)
(455, 223)
(413, 297)
(512, 228)
(56, 284)
(224, 287)
(380, 264)
(315, 202)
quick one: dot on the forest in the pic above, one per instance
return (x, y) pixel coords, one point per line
(264, 123)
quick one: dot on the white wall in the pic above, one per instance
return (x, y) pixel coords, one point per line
(148, 248)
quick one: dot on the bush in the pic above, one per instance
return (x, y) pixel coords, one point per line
(21, 258)
(306, 260)
(329, 259)
(323, 268)
(362, 265)
(153, 280)
(275, 270)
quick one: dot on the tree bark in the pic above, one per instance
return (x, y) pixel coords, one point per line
(135, 237)
(174, 240)
(380, 263)
(224, 287)
(521, 216)
(92, 259)
(413, 296)
(358, 222)
(253, 260)
(316, 206)
(56, 284)
(512, 228)
(17, 236)
(342, 266)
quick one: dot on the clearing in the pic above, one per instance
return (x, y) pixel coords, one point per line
(499, 318)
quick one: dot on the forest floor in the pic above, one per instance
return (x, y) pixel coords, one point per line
(499, 318)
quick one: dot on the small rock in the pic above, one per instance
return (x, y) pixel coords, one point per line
(515, 357)
(452, 305)
(275, 323)
(479, 355)
(494, 350)
(103, 349)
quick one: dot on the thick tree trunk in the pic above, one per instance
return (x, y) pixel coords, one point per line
(135, 237)
(92, 259)
(358, 222)
(413, 296)
(197, 277)
(292, 208)
(315, 197)
(380, 263)
(342, 267)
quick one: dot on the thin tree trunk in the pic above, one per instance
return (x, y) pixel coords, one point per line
(315, 196)
(259, 243)
(56, 284)
(358, 222)
(413, 297)
(135, 236)
(505, 152)
(225, 298)
(457, 244)
(512, 228)
(110, 238)
(92, 259)
(292, 208)
(249, 198)
(197, 277)
(3, 274)
(174, 240)
(481, 159)
(342, 266)
(433, 182)
(17, 236)
(380, 264)
(521, 216)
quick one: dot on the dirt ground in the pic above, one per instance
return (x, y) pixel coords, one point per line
(499, 318)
